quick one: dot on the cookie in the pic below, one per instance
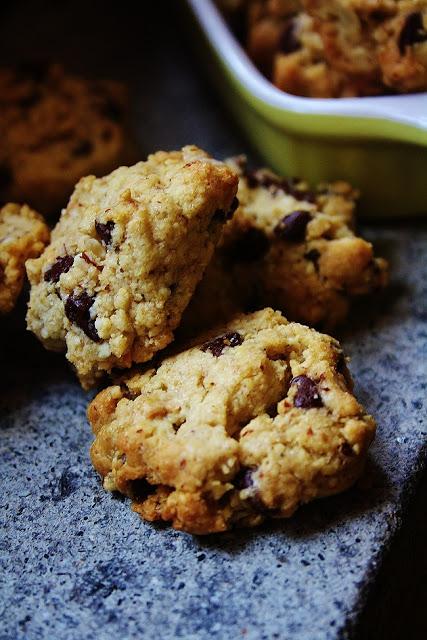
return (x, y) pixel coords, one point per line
(55, 128)
(336, 48)
(254, 421)
(290, 248)
(301, 67)
(125, 258)
(402, 49)
(23, 235)
(384, 42)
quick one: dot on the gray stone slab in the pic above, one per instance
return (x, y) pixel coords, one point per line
(76, 563)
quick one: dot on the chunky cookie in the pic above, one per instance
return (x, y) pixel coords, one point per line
(125, 258)
(290, 248)
(23, 235)
(55, 128)
(336, 48)
(384, 42)
(402, 48)
(251, 423)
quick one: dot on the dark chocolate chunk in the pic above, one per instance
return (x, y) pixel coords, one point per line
(221, 216)
(307, 395)
(346, 449)
(60, 266)
(412, 31)
(252, 244)
(104, 231)
(313, 256)
(289, 42)
(217, 345)
(292, 227)
(244, 480)
(262, 178)
(77, 310)
(82, 148)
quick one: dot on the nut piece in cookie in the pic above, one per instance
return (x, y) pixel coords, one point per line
(249, 423)
(56, 127)
(23, 235)
(126, 257)
(290, 248)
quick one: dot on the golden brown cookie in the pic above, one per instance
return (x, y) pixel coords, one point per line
(252, 422)
(125, 258)
(290, 248)
(23, 235)
(56, 127)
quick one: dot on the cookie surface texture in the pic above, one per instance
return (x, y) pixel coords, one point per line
(125, 258)
(252, 422)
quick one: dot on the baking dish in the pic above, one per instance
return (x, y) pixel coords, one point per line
(377, 143)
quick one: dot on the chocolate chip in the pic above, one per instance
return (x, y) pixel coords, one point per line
(252, 244)
(104, 231)
(243, 478)
(412, 31)
(262, 178)
(346, 449)
(60, 266)
(217, 345)
(292, 227)
(6, 176)
(221, 216)
(77, 310)
(312, 256)
(307, 395)
(289, 42)
(269, 180)
(82, 148)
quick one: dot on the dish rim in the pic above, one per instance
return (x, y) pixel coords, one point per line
(406, 112)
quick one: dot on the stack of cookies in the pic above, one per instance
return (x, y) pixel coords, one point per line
(164, 282)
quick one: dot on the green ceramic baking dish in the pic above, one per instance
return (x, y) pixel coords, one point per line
(379, 144)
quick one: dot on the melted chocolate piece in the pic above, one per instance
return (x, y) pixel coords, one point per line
(307, 395)
(217, 345)
(77, 310)
(412, 31)
(221, 216)
(104, 231)
(313, 256)
(60, 266)
(289, 41)
(292, 227)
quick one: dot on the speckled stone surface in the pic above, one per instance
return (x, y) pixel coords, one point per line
(77, 564)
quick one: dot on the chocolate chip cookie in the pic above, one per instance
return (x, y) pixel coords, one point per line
(125, 258)
(56, 127)
(291, 248)
(336, 48)
(250, 423)
(23, 235)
